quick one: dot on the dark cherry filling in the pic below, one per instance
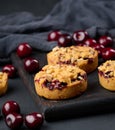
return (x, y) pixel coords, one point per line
(38, 80)
(68, 62)
(54, 84)
(100, 73)
(105, 75)
(90, 60)
(60, 85)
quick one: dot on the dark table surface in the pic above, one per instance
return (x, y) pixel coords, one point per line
(17, 90)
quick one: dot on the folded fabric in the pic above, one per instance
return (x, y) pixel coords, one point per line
(95, 16)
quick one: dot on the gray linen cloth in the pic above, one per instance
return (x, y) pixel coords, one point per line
(95, 16)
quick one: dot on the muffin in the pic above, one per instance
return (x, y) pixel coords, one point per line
(83, 57)
(106, 74)
(60, 81)
(3, 83)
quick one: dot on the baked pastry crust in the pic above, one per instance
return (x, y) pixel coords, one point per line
(3, 83)
(60, 81)
(106, 74)
(81, 56)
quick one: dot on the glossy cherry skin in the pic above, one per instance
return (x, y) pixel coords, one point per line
(54, 35)
(105, 41)
(9, 107)
(34, 120)
(108, 53)
(90, 42)
(31, 65)
(24, 50)
(65, 40)
(14, 120)
(98, 47)
(10, 69)
(79, 36)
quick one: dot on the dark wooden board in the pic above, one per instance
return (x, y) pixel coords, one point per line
(95, 100)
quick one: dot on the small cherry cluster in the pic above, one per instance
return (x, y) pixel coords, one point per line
(31, 65)
(15, 120)
(103, 44)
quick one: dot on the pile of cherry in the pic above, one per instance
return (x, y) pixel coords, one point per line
(15, 120)
(103, 44)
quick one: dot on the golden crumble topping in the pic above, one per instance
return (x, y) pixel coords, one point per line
(63, 73)
(73, 53)
(108, 68)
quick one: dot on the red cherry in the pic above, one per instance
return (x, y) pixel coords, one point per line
(9, 107)
(65, 40)
(14, 120)
(10, 69)
(54, 35)
(90, 42)
(81, 44)
(31, 65)
(24, 50)
(79, 36)
(33, 120)
(105, 41)
(98, 47)
(108, 53)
